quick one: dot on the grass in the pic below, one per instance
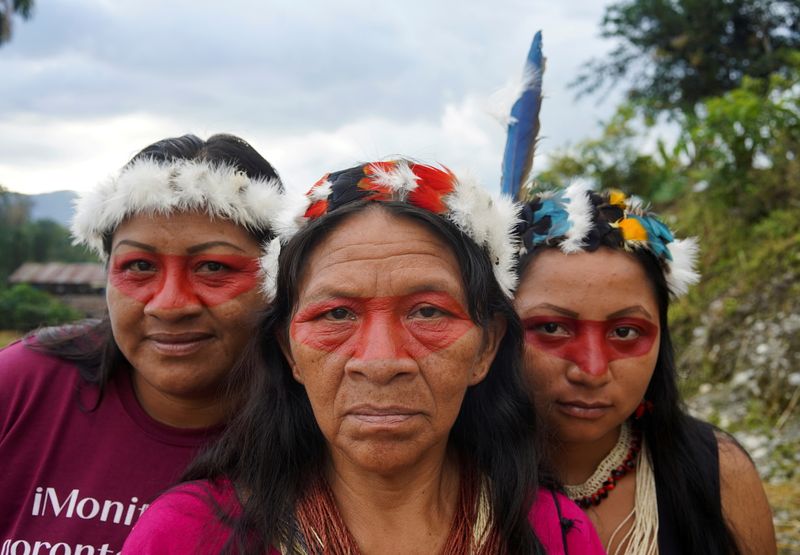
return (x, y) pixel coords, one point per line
(7, 336)
(785, 502)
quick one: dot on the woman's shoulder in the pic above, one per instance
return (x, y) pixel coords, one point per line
(22, 368)
(744, 502)
(189, 518)
(556, 520)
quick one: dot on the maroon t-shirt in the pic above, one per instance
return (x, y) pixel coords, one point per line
(74, 481)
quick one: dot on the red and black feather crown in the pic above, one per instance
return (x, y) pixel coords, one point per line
(488, 221)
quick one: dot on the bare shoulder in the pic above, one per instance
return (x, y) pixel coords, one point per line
(744, 502)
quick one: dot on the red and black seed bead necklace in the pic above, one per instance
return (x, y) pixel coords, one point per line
(619, 462)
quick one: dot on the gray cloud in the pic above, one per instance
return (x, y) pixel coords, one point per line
(285, 69)
(296, 64)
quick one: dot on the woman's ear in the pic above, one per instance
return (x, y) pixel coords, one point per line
(492, 337)
(286, 348)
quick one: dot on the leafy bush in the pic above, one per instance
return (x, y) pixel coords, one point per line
(25, 308)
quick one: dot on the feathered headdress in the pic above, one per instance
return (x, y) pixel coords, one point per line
(488, 221)
(576, 218)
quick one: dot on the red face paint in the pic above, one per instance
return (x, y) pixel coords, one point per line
(382, 328)
(174, 281)
(591, 344)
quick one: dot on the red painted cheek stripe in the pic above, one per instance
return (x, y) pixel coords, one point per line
(382, 328)
(174, 281)
(590, 343)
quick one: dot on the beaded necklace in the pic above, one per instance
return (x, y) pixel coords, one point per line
(619, 461)
(322, 530)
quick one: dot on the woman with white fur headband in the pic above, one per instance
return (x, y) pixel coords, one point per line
(97, 418)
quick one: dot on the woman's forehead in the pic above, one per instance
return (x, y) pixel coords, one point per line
(182, 230)
(376, 252)
(598, 282)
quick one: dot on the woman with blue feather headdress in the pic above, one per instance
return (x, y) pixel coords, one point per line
(597, 272)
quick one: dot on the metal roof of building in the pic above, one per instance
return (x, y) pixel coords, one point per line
(60, 273)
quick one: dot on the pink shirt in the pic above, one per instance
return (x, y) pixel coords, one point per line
(74, 481)
(183, 522)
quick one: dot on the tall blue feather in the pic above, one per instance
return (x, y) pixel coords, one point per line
(524, 125)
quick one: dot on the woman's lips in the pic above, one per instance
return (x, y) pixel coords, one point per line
(583, 409)
(382, 416)
(382, 419)
(179, 344)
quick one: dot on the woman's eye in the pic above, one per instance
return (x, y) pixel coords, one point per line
(140, 266)
(340, 313)
(552, 328)
(625, 332)
(211, 266)
(428, 312)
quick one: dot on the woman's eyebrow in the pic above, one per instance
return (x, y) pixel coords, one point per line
(630, 310)
(194, 249)
(560, 310)
(137, 244)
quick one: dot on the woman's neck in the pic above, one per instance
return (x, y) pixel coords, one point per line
(577, 461)
(407, 508)
(176, 411)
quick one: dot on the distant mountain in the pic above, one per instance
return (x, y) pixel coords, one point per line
(52, 206)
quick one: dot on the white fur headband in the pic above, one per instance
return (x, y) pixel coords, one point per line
(149, 187)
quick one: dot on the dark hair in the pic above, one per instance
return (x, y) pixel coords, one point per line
(680, 454)
(273, 445)
(676, 441)
(90, 344)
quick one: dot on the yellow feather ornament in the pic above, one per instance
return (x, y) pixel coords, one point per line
(632, 230)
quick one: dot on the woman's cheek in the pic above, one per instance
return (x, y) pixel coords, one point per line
(213, 288)
(440, 334)
(139, 286)
(323, 335)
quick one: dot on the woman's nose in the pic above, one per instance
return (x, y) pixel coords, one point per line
(175, 297)
(590, 355)
(380, 353)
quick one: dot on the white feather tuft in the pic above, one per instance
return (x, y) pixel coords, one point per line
(292, 218)
(320, 192)
(490, 222)
(400, 178)
(636, 205)
(579, 215)
(269, 268)
(683, 266)
(264, 203)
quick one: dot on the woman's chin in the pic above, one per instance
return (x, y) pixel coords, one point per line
(383, 457)
(577, 431)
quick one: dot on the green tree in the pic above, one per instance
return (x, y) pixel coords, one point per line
(22, 240)
(8, 8)
(615, 160)
(745, 144)
(14, 216)
(677, 53)
(740, 149)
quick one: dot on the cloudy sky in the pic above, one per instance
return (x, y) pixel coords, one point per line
(314, 85)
